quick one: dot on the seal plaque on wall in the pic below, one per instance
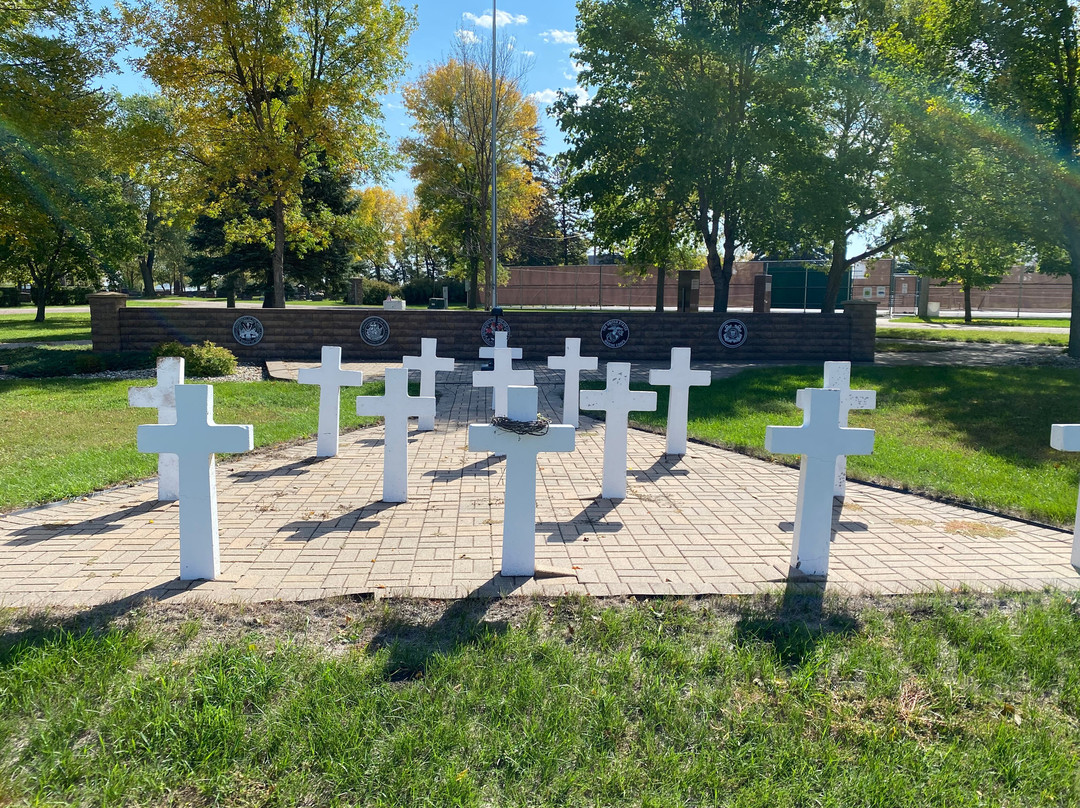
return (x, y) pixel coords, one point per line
(247, 330)
(614, 333)
(490, 326)
(733, 333)
(374, 331)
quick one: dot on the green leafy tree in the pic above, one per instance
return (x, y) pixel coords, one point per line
(450, 154)
(1019, 62)
(266, 90)
(690, 113)
(62, 213)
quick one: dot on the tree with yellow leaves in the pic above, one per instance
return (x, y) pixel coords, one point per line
(380, 222)
(451, 152)
(265, 91)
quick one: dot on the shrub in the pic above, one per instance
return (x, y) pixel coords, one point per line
(419, 291)
(207, 359)
(375, 292)
(9, 296)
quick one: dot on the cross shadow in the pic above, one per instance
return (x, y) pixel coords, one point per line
(664, 466)
(45, 629)
(295, 468)
(371, 443)
(837, 525)
(797, 624)
(309, 530)
(590, 520)
(35, 534)
(481, 468)
(411, 644)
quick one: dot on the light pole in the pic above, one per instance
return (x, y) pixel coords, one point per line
(494, 192)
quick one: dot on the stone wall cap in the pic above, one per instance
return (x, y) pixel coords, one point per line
(113, 295)
(874, 303)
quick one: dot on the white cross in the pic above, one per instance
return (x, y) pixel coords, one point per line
(501, 376)
(838, 377)
(1066, 438)
(428, 363)
(331, 378)
(679, 378)
(501, 337)
(519, 503)
(573, 363)
(396, 406)
(820, 440)
(170, 372)
(617, 401)
(194, 439)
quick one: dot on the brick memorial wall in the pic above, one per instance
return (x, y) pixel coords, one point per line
(300, 332)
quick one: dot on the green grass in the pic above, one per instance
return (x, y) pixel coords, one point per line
(980, 436)
(39, 361)
(974, 335)
(68, 437)
(990, 322)
(946, 700)
(897, 346)
(62, 325)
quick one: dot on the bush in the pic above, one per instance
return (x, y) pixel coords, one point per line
(375, 292)
(419, 291)
(207, 359)
(64, 295)
(9, 296)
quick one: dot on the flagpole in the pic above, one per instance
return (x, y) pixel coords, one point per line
(494, 193)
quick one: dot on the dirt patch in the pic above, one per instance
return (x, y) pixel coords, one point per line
(977, 530)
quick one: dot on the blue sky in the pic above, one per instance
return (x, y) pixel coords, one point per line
(545, 30)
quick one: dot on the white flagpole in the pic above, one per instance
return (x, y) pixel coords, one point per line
(494, 194)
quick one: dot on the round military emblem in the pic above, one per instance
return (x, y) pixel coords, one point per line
(490, 326)
(614, 333)
(247, 330)
(374, 331)
(733, 333)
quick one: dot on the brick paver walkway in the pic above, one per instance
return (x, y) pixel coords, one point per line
(297, 528)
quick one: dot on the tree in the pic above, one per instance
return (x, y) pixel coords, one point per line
(550, 235)
(852, 188)
(451, 152)
(689, 113)
(380, 227)
(265, 90)
(329, 205)
(145, 152)
(61, 212)
(1019, 62)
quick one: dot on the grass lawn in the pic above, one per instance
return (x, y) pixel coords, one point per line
(990, 322)
(58, 325)
(944, 700)
(898, 346)
(68, 437)
(974, 335)
(980, 436)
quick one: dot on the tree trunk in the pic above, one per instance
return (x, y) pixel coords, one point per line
(146, 267)
(1072, 235)
(474, 279)
(42, 294)
(967, 302)
(721, 275)
(836, 274)
(275, 292)
(661, 276)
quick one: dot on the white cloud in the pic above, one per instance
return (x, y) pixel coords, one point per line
(528, 54)
(549, 96)
(572, 73)
(466, 36)
(556, 36)
(502, 18)
(544, 97)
